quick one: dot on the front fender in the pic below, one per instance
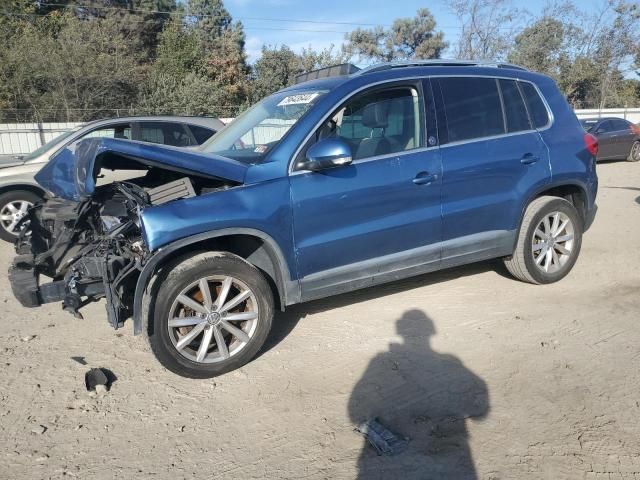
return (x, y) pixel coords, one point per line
(288, 288)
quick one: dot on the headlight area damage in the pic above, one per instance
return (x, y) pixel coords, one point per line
(88, 238)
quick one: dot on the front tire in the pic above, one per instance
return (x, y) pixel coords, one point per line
(212, 315)
(548, 243)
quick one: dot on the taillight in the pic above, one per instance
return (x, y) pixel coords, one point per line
(591, 143)
(635, 129)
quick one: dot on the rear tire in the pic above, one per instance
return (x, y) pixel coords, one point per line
(196, 334)
(13, 206)
(548, 243)
(634, 153)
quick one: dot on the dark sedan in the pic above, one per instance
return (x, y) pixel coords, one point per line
(618, 139)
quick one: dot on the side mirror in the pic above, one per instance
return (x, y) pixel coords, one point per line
(327, 153)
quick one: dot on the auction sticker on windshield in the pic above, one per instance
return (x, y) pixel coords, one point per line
(299, 99)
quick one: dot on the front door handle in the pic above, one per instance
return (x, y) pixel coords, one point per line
(529, 158)
(424, 178)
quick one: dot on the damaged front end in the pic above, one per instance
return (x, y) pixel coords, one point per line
(87, 238)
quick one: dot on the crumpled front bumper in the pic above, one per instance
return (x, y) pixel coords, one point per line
(24, 280)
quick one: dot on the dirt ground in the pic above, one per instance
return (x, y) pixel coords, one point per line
(489, 378)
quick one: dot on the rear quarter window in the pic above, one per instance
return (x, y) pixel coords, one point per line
(535, 105)
(514, 109)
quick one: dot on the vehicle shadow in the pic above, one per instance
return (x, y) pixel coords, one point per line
(285, 322)
(633, 189)
(422, 395)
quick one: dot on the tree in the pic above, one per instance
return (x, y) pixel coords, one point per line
(589, 55)
(311, 59)
(140, 21)
(275, 69)
(66, 69)
(408, 38)
(488, 27)
(541, 47)
(202, 53)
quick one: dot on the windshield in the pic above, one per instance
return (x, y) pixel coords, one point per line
(254, 133)
(51, 143)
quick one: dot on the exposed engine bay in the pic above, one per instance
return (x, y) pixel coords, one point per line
(94, 248)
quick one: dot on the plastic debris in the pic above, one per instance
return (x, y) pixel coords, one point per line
(383, 440)
(80, 360)
(99, 376)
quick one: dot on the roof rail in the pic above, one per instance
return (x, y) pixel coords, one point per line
(332, 71)
(438, 63)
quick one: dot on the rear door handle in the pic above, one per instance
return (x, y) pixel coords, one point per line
(424, 178)
(529, 158)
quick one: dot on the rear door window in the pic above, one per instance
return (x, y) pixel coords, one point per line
(514, 108)
(166, 133)
(535, 105)
(472, 108)
(122, 130)
(619, 125)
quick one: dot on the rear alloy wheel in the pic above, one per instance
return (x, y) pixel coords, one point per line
(548, 243)
(14, 206)
(213, 313)
(553, 242)
(634, 153)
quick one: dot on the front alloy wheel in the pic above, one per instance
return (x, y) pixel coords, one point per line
(213, 319)
(213, 312)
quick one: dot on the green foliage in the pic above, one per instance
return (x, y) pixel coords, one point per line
(83, 70)
(84, 59)
(276, 69)
(311, 59)
(407, 38)
(588, 55)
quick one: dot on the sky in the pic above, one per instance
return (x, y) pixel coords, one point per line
(297, 23)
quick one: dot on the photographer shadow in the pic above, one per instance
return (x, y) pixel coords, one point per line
(425, 396)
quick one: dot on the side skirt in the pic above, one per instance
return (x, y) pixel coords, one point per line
(450, 253)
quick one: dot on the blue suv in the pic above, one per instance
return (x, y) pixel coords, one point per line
(334, 184)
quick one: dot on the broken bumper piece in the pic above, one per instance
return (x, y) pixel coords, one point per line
(24, 284)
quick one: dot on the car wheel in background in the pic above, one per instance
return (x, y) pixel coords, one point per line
(14, 205)
(634, 153)
(548, 243)
(213, 312)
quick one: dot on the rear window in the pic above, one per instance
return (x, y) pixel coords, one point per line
(472, 108)
(166, 133)
(535, 105)
(514, 109)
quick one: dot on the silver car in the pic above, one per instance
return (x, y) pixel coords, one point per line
(19, 191)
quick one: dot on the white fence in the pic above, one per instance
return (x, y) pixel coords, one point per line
(22, 138)
(631, 114)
